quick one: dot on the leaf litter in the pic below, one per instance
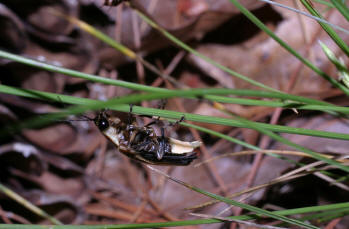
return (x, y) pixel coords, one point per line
(73, 173)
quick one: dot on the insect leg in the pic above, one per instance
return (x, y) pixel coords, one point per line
(130, 115)
(161, 106)
(162, 144)
(178, 121)
(152, 123)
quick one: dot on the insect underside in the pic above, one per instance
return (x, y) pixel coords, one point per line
(142, 144)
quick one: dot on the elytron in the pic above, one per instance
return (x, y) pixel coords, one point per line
(142, 143)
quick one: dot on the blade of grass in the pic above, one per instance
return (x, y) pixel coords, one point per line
(295, 211)
(14, 196)
(236, 203)
(118, 46)
(296, 146)
(295, 102)
(194, 52)
(323, 216)
(342, 8)
(263, 27)
(335, 37)
(246, 223)
(235, 140)
(306, 14)
(325, 3)
(119, 105)
(87, 101)
(333, 215)
(139, 87)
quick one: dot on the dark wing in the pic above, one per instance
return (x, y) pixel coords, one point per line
(169, 158)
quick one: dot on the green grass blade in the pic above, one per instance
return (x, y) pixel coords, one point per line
(296, 146)
(119, 105)
(236, 203)
(196, 53)
(326, 3)
(77, 74)
(307, 15)
(139, 87)
(304, 210)
(335, 37)
(8, 192)
(263, 27)
(342, 8)
(295, 102)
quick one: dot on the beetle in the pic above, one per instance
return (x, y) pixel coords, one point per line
(141, 142)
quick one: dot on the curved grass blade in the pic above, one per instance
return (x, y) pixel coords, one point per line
(236, 203)
(335, 37)
(263, 27)
(52, 68)
(342, 8)
(196, 53)
(295, 102)
(119, 105)
(295, 211)
(8, 192)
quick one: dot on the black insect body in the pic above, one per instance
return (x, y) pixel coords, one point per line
(142, 143)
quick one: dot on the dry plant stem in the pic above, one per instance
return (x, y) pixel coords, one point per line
(252, 189)
(145, 200)
(139, 211)
(333, 223)
(118, 26)
(14, 196)
(276, 114)
(219, 144)
(242, 199)
(157, 82)
(162, 180)
(130, 53)
(114, 214)
(212, 168)
(281, 152)
(298, 5)
(173, 64)
(160, 211)
(293, 79)
(151, 8)
(151, 67)
(4, 216)
(17, 218)
(137, 43)
(100, 158)
(249, 152)
(299, 172)
(133, 175)
(119, 204)
(331, 181)
(111, 90)
(175, 61)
